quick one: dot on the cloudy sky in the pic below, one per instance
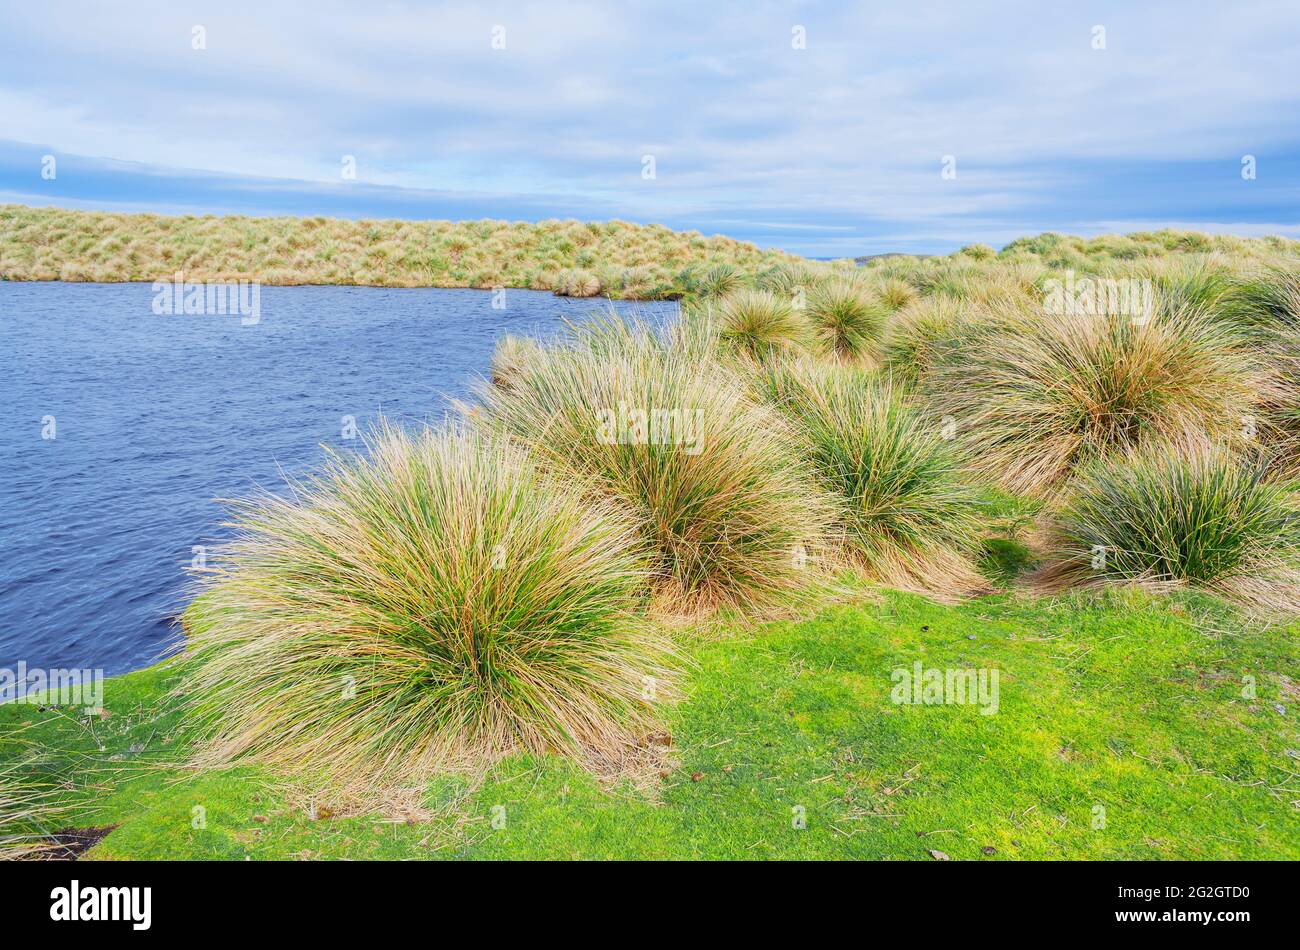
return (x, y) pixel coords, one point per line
(821, 128)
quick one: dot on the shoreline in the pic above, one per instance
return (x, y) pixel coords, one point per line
(231, 278)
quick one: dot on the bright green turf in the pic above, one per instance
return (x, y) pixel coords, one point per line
(1128, 702)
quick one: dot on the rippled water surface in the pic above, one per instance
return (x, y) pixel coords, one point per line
(155, 417)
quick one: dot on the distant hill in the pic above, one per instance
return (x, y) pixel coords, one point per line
(574, 258)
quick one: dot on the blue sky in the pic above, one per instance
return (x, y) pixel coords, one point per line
(835, 148)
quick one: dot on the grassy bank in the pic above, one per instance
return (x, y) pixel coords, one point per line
(1125, 702)
(610, 259)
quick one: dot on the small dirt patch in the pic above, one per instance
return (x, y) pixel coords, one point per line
(71, 843)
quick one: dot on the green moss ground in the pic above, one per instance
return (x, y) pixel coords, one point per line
(1127, 702)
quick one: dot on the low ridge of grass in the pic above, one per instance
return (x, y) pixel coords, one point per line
(585, 259)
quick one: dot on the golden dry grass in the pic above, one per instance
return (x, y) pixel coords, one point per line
(726, 505)
(610, 259)
(435, 605)
(1045, 393)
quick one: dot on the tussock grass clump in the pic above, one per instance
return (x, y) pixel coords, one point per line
(511, 353)
(1267, 299)
(1264, 303)
(760, 324)
(1034, 402)
(1192, 514)
(897, 294)
(720, 280)
(19, 811)
(959, 278)
(848, 322)
(1181, 284)
(577, 283)
(979, 252)
(437, 604)
(28, 810)
(933, 330)
(723, 501)
(792, 281)
(1279, 425)
(909, 516)
(915, 336)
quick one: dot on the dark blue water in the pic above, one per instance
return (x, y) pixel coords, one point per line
(157, 416)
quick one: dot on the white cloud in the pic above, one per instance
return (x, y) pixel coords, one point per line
(854, 124)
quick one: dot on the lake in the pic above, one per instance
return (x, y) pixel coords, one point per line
(122, 427)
